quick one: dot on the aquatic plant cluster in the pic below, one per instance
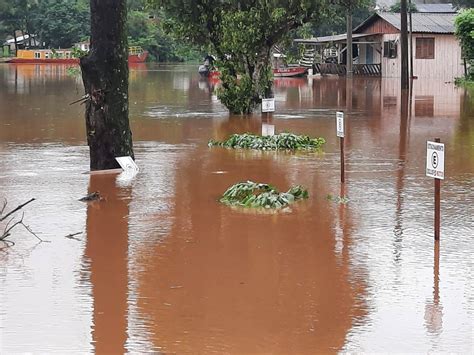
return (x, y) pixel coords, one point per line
(282, 141)
(255, 195)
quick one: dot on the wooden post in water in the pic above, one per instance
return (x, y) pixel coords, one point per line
(437, 204)
(341, 140)
(340, 134)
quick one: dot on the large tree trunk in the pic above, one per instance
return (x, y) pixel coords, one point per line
(105, 77)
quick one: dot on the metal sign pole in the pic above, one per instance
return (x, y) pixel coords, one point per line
(437, 204)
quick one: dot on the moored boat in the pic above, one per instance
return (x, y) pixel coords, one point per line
(289, 72)
(66, 56)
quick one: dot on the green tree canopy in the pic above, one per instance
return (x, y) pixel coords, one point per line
(464, 31)
(396, 7)
(463, 3)
(241, 34)
(61, 23)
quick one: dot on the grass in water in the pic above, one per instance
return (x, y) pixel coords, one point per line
(257, 195)
(282, 141)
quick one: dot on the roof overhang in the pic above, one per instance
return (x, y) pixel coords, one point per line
(342, 38)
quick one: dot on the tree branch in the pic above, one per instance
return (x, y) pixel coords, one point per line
(2, 218)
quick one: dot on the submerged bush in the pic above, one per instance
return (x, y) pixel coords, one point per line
(282, 141)
(257, 195)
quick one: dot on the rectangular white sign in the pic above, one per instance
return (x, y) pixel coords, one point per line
(340, 124)
(268, 129)
(127, 164)
(268, 105)
(435, 160)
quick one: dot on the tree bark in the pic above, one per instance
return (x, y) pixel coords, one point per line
(105, 77)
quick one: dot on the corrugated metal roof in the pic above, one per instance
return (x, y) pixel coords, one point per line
(422, 22)
(335, 38)
(436, 8)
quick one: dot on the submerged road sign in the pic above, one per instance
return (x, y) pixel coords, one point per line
(340, 124)
(268, 129)
(435, 160)
(268, 105)
(127, 164)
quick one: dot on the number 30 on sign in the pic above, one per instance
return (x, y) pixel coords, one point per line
(435, 160)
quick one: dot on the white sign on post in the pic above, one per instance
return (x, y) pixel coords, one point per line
(268, 129)
(127, 164)
(435, 160)
(268, 105)
(340, 124)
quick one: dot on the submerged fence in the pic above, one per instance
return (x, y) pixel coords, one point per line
(340, 69)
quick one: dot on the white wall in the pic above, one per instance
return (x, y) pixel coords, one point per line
(446, 65)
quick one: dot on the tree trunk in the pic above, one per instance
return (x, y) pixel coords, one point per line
(105, 77)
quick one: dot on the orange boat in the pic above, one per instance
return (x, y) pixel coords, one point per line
(66, 56)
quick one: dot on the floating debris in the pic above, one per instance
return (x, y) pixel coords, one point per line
(93, 196)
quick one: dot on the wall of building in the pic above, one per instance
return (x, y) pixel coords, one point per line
(379, 26)
(446, 65)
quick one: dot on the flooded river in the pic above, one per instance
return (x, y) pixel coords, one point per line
(159, 265)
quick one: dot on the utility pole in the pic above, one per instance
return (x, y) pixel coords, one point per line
(404, 44)
(411, 38)
(349, 41)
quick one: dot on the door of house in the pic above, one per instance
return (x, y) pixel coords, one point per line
(369, 54)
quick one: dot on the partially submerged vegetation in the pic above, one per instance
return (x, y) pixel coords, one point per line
(338, 199)
(257, 195)
(282, 141)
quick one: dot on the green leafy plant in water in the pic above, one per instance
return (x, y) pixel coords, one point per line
(257, 195)
(338, 199)
(282, 141)
(73, 71)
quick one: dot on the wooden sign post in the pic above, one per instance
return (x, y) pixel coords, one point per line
(340, 134)
(435, 169)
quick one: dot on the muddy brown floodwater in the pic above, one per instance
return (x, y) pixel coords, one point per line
(161, 266)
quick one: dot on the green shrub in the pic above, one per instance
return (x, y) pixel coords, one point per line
(257, 195)
(282, 141)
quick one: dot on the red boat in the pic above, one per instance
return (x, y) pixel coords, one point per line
(289, 72)
(65, 56)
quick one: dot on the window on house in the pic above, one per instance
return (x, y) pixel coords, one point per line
(425, 48)
(47, 55)
(37, 55)
(390, 49)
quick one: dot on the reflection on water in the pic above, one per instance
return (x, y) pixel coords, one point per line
(106, 258)
(434, 309)
(162, 266)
